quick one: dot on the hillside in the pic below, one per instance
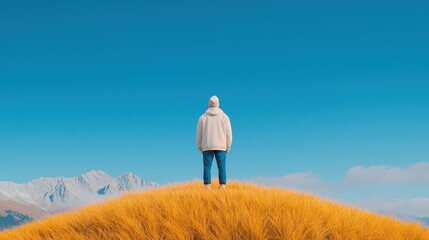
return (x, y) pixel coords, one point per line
(13, 214)
(243, 211)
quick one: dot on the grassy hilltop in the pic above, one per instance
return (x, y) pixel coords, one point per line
(243, 211)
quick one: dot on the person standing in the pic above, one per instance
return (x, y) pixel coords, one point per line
(214, 139)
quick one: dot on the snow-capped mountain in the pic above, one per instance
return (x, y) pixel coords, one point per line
(59, 193)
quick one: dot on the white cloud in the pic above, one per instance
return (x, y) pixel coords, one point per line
(306, 182)
(408, 210)
(401, 208)
(416, 173)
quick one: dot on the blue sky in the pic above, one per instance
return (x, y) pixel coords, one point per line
(310, 87)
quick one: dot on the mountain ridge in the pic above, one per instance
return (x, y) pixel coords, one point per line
(50, 195)
(51, 192)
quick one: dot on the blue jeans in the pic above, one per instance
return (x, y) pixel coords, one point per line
(221, 165)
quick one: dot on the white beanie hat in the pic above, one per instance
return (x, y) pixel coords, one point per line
(214, 101)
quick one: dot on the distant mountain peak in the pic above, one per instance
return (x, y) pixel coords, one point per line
(126, 182)
(128, 175)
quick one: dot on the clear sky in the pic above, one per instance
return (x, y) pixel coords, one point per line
(316, 87)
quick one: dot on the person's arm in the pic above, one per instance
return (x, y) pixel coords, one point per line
(199, 134)
(228, 134)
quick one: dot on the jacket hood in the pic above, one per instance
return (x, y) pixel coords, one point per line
(214, 111)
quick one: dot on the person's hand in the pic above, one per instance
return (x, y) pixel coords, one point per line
(201, 150)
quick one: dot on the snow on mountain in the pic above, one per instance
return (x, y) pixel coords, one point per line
(125, 182)
(51, 194)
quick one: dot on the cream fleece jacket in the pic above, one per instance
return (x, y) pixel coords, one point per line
(214, 131)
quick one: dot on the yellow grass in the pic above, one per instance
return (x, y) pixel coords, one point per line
(243, 211)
